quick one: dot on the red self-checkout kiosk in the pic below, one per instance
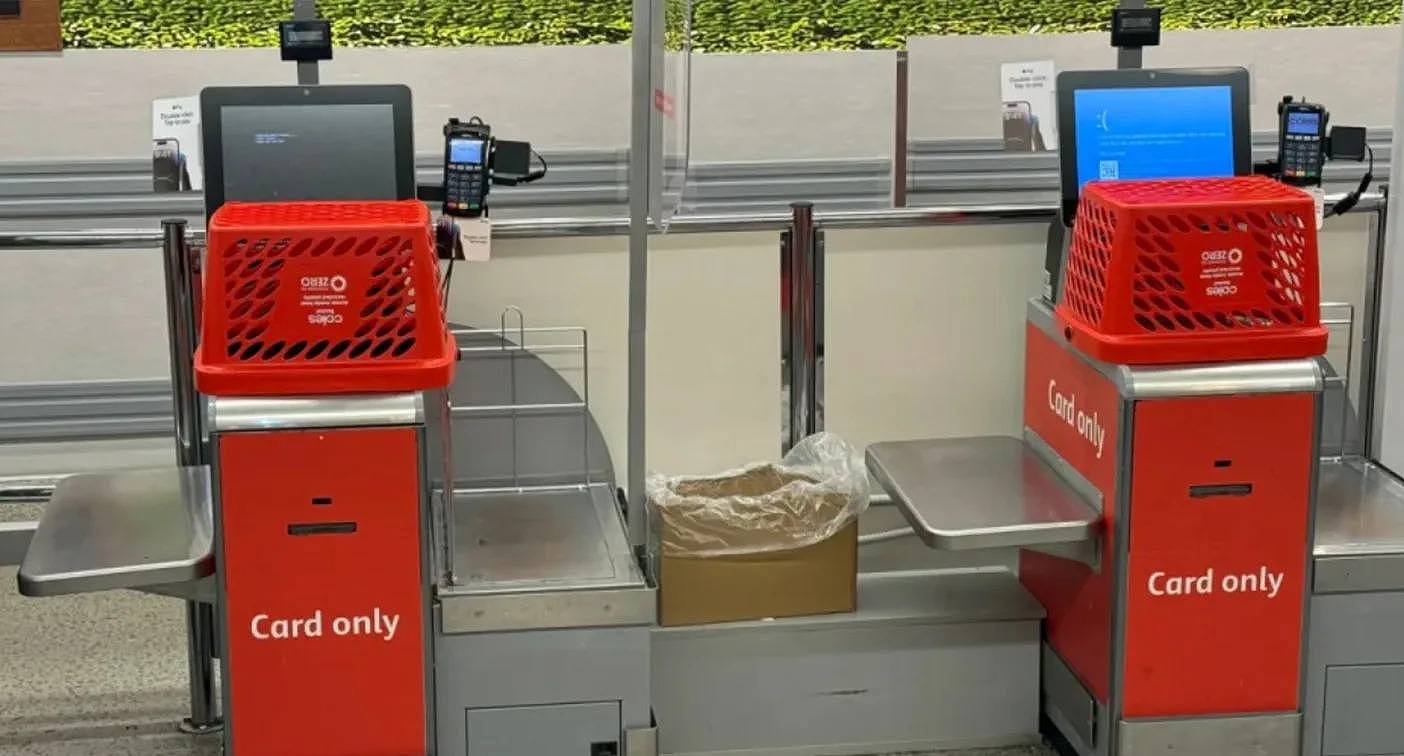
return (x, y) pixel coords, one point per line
(1191, 632)
(323, 351)
(1162, 494)
(322, 326)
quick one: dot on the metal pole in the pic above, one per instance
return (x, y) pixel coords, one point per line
(181, 302)
(1370, 409)
(200, 626)
(639, 171)
(803, 268)
(899, 136)
(307, 72)
(1130, 57)
(180, 271)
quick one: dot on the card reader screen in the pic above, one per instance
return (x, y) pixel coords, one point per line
(466, 151)
(1303, 122)
(1153, 132)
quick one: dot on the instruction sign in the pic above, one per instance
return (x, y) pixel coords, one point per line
(175, 145)
(1029, 111)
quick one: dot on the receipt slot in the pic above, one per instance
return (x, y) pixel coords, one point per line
(322, 331)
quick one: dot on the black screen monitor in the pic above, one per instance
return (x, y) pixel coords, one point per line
(269, 144)
(1146, 124)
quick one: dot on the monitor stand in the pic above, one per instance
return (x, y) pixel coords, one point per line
(1056, 253)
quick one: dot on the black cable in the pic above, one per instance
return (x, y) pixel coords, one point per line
(541, 174)
(1351, 200)
(448, 234)
(448, 281)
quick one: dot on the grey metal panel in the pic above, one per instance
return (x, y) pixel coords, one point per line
(1073, 710)
(846, 687)
(958, 171)
(14, 541)
(548, 610)
(1245, 735)
(579, 183)
(558, 540)
(478, 670)
(800, 188)
(1360, 510)
(967, 182)
(89, 427)
(261, 414)
(1362, 710)
(773, 168)
(121, 530)
(1352, 574)
(984, 492)
(1278, 377)
(1071, 707)
(914, 598)
(205, 590)
(1359, 544)
(1348, 629)
(538, 730)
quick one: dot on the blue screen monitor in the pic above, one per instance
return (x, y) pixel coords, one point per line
(1149, 124)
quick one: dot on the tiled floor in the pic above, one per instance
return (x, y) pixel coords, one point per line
(104, 675)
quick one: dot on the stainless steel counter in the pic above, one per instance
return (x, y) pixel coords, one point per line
(543, 559)
(1359, 529)
(980, 493)
(130, 529)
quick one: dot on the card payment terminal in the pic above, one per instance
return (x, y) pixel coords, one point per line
(466, 151)
(1301, 145)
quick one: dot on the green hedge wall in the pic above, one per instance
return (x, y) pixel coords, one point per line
(720, 25)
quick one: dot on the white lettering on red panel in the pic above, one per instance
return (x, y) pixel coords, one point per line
(1090, 427)
(1263, 581)
(377, 623)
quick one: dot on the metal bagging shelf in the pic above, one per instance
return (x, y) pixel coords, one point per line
(533, 534)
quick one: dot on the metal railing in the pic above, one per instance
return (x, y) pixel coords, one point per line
(547, 228)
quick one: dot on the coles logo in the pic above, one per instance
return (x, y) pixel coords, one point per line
(324, 318)
(1221, 290)
(1221, 256)
(324, 283)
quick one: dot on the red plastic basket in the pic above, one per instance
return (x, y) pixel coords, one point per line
(322, 298)
(1193, 270)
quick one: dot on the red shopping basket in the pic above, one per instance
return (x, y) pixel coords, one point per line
(322, 298)
(1193, 270)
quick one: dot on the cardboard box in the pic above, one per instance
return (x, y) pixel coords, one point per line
(35, 28)
(758, 513)
(818, 579)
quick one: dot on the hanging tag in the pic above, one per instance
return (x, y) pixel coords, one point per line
(475, 234)
(1318, 197)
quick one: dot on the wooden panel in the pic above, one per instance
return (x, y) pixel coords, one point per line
(36, 28)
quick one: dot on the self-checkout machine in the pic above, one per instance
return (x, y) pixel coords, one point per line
(360, 608)
(535, 615)
(1164, 487)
